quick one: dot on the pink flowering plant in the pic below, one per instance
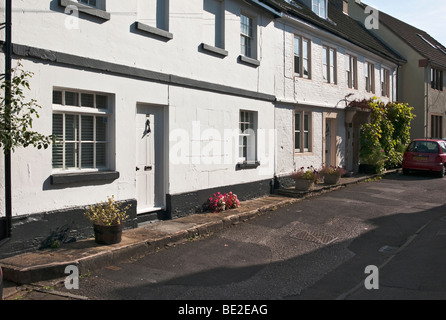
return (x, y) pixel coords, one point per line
(309, 173)
(332, 171)
(221, 202)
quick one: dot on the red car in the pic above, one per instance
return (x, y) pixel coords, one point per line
(426, 155)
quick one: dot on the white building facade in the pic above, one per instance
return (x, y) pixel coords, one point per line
(319, 70)
(161, 104)
(159, 110)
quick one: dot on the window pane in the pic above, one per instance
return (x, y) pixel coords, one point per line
(297, 140)
(57, 155)
(306, 69)
(101, 129)
(57, 97)
(87, 128)
(243, 148)
(322, 12)
(70, 155)
(87, 100)
(71, 98)
(58, 126)
(297, 56)
(306, 122)
(297, 121)
(87, 156)
(297, 66)
(71, 127)
(101, 101)
(306, 49)
(245, 46)
(246, 26)
(101, 152)
(332, 66)
(306, 57)
(297, 46)
(316, 6)
(306, 141)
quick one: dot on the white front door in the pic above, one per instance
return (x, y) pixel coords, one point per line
(145, 161)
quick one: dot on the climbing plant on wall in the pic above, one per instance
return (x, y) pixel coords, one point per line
(385, 137)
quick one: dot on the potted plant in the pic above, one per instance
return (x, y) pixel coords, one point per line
(305, 178)
(332, 174)
(107, 220)
(221, 202)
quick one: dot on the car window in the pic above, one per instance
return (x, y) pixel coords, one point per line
(443, 147)
(424, 146)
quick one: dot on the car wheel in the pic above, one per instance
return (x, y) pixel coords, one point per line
(442, 172)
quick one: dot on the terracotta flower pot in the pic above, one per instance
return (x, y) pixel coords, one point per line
(108, 234)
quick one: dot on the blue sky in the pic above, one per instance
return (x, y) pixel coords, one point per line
(429, 16)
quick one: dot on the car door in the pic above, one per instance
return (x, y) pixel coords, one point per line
(443, 150)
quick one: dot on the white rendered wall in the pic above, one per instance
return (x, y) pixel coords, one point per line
(209, 166)
(204, 140)
(44, 24)
(32, 168)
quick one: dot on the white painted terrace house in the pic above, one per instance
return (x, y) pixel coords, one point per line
(163, 103)
(148, 98)
(327, 59)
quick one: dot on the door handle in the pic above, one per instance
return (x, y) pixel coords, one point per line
(148, 168)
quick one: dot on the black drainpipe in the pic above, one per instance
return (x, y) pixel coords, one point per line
(8, 63)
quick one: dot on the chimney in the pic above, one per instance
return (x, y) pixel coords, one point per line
(345, 7)
(341, 5)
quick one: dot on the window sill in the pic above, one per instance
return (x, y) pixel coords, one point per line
(298, 78)
(71, 178)
(250, 61)
(247, 165)
(300, 154)
(215, 50)
(154, 31)
(95, 12)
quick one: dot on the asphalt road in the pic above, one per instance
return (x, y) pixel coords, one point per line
(315, 249)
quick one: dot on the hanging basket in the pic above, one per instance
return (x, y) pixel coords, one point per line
(107, 234)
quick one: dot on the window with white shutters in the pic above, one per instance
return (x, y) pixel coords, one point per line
(81, 126)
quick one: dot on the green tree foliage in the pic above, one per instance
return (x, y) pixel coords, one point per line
(16, 122)
(384, 138)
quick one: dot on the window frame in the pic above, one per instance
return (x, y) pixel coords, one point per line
(301, 57)
(78, 112)
(436, 126)
(437, 79)
(369, 70)
(385, 82)
(218, 22)
(329, 65)
(248, 150)
(352, 71)
(316, 4)
(248, 40)
(305, 142)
